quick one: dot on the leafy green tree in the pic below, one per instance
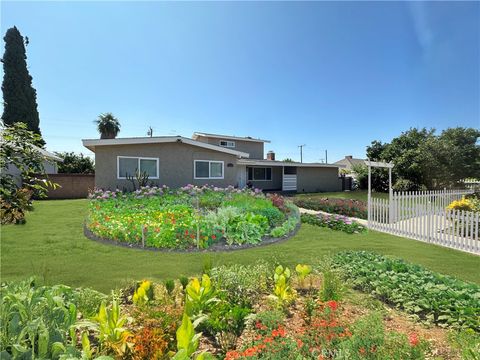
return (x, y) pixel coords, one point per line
(22, 172)
(288, 160)
(75, 163)
(19, 97)
(108, 126)
(424, 160)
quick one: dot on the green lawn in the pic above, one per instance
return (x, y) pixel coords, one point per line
(354, 195)
(52, 246)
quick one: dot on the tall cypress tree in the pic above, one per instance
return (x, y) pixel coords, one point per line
(19, 97)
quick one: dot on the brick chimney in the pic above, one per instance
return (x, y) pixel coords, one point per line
(271, 155)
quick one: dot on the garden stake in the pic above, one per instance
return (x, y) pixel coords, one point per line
(144, 230)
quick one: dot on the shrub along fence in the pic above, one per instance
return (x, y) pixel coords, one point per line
(72, 186)
(423, 215)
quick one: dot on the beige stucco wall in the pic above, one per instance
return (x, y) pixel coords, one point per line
(315, 179)
(255, 149)
(175, 164)
(274, 184)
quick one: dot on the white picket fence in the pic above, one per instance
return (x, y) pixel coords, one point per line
(423, 216)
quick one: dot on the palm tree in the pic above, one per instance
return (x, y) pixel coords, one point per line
(108, 126)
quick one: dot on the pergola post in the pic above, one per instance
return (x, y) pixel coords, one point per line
(369, 193)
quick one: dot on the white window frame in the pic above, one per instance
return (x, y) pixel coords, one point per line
(209, 169)
(138, 167)
(261, 167)
(228, 143)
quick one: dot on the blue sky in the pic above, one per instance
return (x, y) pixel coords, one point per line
(331, 75)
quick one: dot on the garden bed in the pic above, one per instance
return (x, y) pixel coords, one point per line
(190, 218)
(262, 311)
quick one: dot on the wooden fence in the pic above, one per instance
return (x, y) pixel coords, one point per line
(423, 216)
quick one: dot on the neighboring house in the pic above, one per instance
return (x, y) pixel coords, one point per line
(349, 162)
(213, 159)
(49, 164)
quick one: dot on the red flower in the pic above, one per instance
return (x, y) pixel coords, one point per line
(413, 339)
(362, 351)
(333, 305)
(213, 237)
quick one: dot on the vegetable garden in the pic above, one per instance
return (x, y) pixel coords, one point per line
(190, 217)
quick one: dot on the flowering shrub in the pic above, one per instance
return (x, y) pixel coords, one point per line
(334, 222)
(353, 208)
(466, 204)
(189, 217)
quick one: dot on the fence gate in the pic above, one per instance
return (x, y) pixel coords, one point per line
(422, 215)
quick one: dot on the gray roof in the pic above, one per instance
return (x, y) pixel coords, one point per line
(350, 162)
(228, 137)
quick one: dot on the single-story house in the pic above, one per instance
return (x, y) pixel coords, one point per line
(219, 160)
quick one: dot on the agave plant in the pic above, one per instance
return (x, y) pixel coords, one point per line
(108, 126)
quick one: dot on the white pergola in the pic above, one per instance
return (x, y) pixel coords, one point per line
(384, 165)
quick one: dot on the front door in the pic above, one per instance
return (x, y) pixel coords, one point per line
(241, 176)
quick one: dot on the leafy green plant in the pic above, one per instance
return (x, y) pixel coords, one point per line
(468, 342)
(283, 294)
(303, 271)
(184, 282)
(331, 287)
(169, 286)
(428, 296)
(187, 342)
(19, 149)
(290, 224)
(35, 320)
(242, 284)
(225, 323)
(246, 228)
(110, 325)
(88, 301)
(143, 293)
(200, 295)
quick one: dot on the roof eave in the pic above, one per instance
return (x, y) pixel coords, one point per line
(92, 143)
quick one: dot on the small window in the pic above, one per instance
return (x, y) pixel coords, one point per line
(207, 169)
(260, 174)
(128, 166)
(225, 143)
